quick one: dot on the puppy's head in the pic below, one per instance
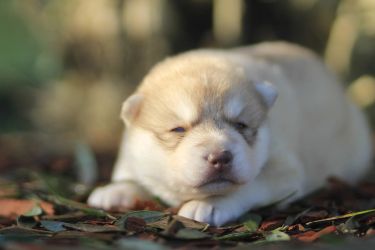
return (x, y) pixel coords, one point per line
(197, 124)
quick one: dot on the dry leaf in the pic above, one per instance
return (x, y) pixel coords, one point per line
(271, 225)
(311, 236)
(135, 224)
(12, 208)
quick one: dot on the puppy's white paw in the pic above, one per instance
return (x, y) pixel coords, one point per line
(114, 195)
(210, 211)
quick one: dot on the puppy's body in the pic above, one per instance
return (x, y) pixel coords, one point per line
(204, 129)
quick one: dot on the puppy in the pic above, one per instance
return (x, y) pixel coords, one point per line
(220, 132)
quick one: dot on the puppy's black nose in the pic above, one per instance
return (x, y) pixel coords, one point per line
(220, 160)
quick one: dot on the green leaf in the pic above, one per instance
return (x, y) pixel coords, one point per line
(276, 235)
(79, 206)
(84, 227)
(251, 226)
(35, 211)
(27, 219)
(273, 236)
(252, 222)
(53, 226)
(191, 234)
(22, 231)
(189, 223)
(136, 244)
(146, 215)
(72, 216)
(234, 236)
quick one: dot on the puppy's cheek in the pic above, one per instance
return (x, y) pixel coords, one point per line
(248, 159)
(242, 164)
(235, 143)
(189, 165)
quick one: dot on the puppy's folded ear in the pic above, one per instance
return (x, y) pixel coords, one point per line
(267, 92)
(131, 108)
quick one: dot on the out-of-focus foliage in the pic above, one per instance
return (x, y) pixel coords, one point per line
(19, 49)
(66, 66)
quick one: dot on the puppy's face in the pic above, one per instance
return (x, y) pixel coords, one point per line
(200, 126)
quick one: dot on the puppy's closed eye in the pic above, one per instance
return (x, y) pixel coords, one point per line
(178, 130)
(240, 125)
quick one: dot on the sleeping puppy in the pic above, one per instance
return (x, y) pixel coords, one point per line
(220, 132)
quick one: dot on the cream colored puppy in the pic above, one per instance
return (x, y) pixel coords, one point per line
(225, 131)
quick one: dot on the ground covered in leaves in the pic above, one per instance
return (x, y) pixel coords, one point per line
(44, 206)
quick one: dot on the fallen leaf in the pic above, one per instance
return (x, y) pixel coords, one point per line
(252, 222)
(146, 215)
(80, 237)
(342, 216)
(26, 221)
(271, 225)
(220, 230)
(22, 231)
(296, 228)
(188, 223)
(160, 224)
(147, 205)
(234, 236)
(164, 223)
(53, 226)
(135, 224)
(191, 234)
(311, 236)
(173, 227)
(36, 210)
(84, 227)
(72, 216)
(137, 244)
(29, 219)
(350, 226)
(79, 206)
(14, 207)
(276, 235)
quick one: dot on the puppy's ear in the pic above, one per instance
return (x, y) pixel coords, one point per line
(267, 91)
(131, 108)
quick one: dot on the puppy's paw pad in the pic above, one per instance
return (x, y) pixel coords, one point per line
(115, 195)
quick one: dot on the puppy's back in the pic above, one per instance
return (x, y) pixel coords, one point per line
(332, 136)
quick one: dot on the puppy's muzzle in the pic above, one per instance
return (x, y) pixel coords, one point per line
(220, 161)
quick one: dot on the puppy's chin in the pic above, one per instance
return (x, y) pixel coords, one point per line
(218, 183)
(218, 186)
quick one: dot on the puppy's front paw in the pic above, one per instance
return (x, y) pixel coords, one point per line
(209, 211)
(115, 195)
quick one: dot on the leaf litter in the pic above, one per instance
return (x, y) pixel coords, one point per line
(34, 212)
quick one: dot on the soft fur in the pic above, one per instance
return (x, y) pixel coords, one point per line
(225, 100)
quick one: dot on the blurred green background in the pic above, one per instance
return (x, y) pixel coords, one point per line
(66, 66)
